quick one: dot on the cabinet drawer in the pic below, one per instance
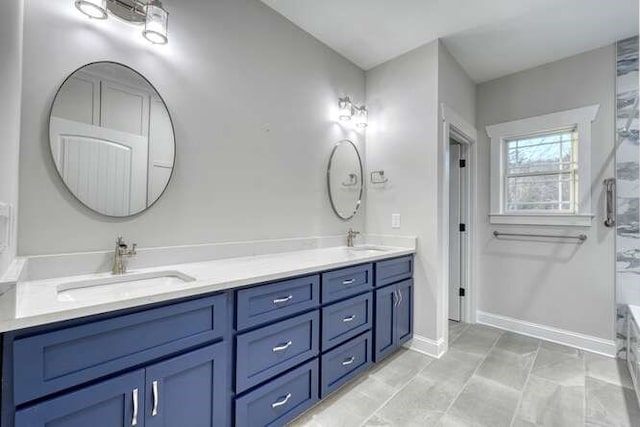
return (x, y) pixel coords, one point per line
(345, 362)
(265, 303)
(281, 400)
(346, 319)
(53, 361)
(394, 270)
(345, 282)
(268, 351)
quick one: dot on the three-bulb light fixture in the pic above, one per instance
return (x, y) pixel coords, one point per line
(347, 112)
(151, 14)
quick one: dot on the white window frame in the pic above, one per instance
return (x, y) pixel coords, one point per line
(581, 119)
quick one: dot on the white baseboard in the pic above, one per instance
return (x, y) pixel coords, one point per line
(427, 346)
(548, 333)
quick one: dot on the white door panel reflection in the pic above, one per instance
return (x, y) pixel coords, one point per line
(103, 168)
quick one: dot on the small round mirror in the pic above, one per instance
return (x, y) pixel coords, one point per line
(112, 139)
(345, 179)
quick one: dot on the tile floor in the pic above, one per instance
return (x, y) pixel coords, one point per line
(488, 378)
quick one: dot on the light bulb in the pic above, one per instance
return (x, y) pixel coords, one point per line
(362, 117)
(156, 23)
(345, 109)
(94, 9)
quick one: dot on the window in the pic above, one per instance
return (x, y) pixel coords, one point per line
(536, 166)
(541, 172)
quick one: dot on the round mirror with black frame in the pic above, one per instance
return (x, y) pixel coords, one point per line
(112, 139)
(345, 179)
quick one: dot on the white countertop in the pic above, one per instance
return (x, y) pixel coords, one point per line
(37, 302)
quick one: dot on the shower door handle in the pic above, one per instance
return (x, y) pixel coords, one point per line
(610, 196)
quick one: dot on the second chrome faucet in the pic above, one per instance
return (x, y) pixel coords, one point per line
(351, 235)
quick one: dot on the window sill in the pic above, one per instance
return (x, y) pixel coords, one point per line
(566, 220)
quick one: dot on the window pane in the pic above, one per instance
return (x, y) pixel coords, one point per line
(541, 192)
(541, 153)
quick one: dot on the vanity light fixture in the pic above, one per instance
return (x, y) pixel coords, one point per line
(362, 117)
(345, 109)
(156, 23)
(151, 14)
(94, 9)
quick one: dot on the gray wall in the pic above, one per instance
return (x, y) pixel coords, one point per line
(455, 88)
(403, 100)
(252, 99)
(565, 286)
(10, 83)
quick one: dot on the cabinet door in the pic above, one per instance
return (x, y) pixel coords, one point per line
(404, 312)
(117, 402)
(189, 390)
(385, 326)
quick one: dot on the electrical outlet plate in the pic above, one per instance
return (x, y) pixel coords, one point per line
(395, 220)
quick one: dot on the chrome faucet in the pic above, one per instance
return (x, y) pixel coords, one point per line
(351, 235)
(122, 252)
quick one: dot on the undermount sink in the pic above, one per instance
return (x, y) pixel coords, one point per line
(121, 286)
(368, 248)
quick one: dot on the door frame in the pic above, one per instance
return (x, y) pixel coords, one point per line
(453, 125)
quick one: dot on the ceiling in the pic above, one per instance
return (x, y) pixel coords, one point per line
(489, 38)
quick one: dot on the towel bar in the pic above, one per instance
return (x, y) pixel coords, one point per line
(581, 237)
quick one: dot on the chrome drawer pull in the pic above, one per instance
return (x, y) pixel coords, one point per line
(282, 347)
(348, 282)
(281, 402)
(348, 361)
(156, 397)
(283, 300)
(134, 421)
(349, 319)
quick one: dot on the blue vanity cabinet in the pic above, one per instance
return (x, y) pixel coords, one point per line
(188, 390)
(118, 402)
(393, 317)
(252, 357)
